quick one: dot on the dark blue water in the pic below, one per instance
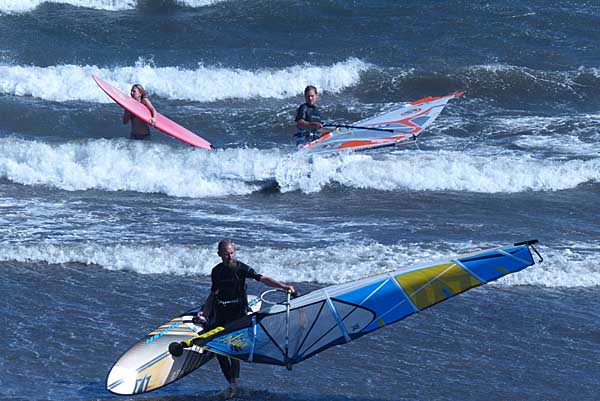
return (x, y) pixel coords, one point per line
(102, 239)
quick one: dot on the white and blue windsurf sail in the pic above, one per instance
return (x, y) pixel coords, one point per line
(286, 334)
(395, 127)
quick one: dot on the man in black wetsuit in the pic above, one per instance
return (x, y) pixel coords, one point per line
(229, 300)
(308, 118)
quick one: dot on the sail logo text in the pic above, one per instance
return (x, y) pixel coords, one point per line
(236, 342)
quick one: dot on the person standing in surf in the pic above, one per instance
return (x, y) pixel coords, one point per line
(139, 128)
(308, 118)
(228, 301)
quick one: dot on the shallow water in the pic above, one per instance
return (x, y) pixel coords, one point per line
(103, 239)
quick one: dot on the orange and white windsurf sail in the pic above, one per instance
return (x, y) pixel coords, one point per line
(395, 127)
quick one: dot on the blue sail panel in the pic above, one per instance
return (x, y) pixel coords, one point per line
(388, 303)
(290, 333)
(236, 344)
(493, 265)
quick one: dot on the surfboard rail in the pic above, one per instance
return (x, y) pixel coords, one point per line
(148, 365)
(162, 123)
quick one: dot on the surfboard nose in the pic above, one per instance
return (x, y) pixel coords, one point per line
(122, 380)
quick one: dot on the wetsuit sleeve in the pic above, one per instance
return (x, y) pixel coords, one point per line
(301, 113)
(250, 272)
(213, 276)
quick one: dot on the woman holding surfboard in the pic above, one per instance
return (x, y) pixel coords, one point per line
(139, 105)
(139, 129)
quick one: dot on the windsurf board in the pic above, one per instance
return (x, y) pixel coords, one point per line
(148, 365)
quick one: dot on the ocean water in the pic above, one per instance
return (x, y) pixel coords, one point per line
(102, 239)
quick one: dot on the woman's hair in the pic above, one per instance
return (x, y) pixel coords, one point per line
(141, 89)
(309, 88)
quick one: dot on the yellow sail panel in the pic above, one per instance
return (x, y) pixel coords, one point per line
(435, 284)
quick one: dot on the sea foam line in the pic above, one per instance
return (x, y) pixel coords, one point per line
(505, 74)
(70, 82)
(117, 165)
(23, 6)
(122, 165)
(571, 266)
(438, 171)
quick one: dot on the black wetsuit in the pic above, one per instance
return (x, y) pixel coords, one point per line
(311, 114)
(229, 283)
(230, 304)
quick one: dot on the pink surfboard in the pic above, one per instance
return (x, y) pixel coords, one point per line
(162, 123)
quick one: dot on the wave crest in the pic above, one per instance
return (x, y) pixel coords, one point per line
(116, 165)
(73, 82)
(23, 6)
(569, 266)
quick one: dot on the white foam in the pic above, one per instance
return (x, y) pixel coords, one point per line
(132, 166)
(199, 3)
(552, 80)
(73, 82)
(438, 171)
(571, 267)
(559, 145)
(150, 167)
(563, 135)
(22, 6)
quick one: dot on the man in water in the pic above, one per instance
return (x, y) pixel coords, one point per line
(308, 118)
(229, 302)
(139, 128)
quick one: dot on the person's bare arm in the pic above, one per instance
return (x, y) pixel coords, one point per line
(146, 102)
